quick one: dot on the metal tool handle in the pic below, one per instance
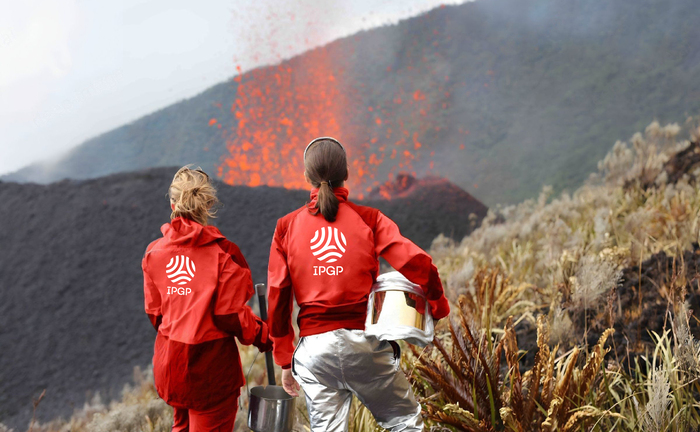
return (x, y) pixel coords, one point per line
(260, 290)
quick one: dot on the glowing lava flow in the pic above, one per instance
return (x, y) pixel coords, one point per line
(279, 109)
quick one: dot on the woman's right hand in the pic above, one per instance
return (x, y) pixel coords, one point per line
(290, 385)
(264, 334)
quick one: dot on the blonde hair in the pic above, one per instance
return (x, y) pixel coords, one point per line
(192, 195)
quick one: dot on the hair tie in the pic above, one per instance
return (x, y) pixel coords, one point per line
(194, 191)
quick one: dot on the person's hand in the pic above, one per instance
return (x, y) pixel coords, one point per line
(264, 333)
(264, 347)
(290, 385)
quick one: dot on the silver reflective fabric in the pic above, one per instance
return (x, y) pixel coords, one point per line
(332, 366)
(398, 310)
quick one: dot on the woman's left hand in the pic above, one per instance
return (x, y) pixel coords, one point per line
(290, 385)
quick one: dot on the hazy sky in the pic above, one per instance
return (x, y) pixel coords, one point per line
(70, 70)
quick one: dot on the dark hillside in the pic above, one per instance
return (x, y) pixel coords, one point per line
(71, 317)
(506, 95)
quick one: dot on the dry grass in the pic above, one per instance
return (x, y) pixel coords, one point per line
(463, 384)
(544, 264)
(140, 410)
(561, 258)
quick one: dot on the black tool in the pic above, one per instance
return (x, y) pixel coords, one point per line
(260, 290)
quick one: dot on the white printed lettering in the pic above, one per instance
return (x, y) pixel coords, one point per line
(329, 270)
(179, 290)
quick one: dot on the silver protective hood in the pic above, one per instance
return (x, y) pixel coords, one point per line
(398, 310)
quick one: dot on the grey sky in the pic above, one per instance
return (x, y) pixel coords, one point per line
(73, 69)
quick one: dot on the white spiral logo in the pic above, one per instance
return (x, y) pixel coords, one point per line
(330, 244)
(180, 269)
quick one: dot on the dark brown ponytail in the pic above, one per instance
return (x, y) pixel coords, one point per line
(327, 168)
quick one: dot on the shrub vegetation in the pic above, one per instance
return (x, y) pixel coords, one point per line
(570, 313)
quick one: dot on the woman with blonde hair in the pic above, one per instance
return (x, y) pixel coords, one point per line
(196, 288)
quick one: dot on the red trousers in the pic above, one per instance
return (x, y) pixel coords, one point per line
(219, 418)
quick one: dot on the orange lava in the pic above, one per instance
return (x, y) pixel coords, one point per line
(277, 110)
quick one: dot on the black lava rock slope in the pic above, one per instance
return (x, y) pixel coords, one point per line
(71, 314)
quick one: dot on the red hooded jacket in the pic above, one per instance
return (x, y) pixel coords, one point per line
(196, 286)
(329, 268)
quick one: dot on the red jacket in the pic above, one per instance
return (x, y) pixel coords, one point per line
(196, 286)
(329, 268)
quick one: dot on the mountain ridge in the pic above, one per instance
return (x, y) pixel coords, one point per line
(499, 96)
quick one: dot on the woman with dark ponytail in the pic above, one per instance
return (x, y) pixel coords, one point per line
(326, 167)
(325, 256)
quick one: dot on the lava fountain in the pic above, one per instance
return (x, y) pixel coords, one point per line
(325, 92)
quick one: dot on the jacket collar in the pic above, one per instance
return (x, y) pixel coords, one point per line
(183, 231)
(340, 192)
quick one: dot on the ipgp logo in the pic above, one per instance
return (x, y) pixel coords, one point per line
(180, 269)
(328, 245)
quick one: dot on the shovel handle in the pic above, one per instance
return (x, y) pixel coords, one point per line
(260, 290)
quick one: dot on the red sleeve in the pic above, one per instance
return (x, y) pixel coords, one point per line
(231, 311)
(411, 261)
(232, 249)
(151, 297)
(281, 299)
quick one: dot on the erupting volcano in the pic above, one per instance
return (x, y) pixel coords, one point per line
(492, 93)
(278, 110)
(275, 111)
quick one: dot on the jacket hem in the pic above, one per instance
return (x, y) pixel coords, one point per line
(330, 326)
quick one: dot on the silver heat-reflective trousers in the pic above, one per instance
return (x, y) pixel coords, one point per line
(332, 366)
